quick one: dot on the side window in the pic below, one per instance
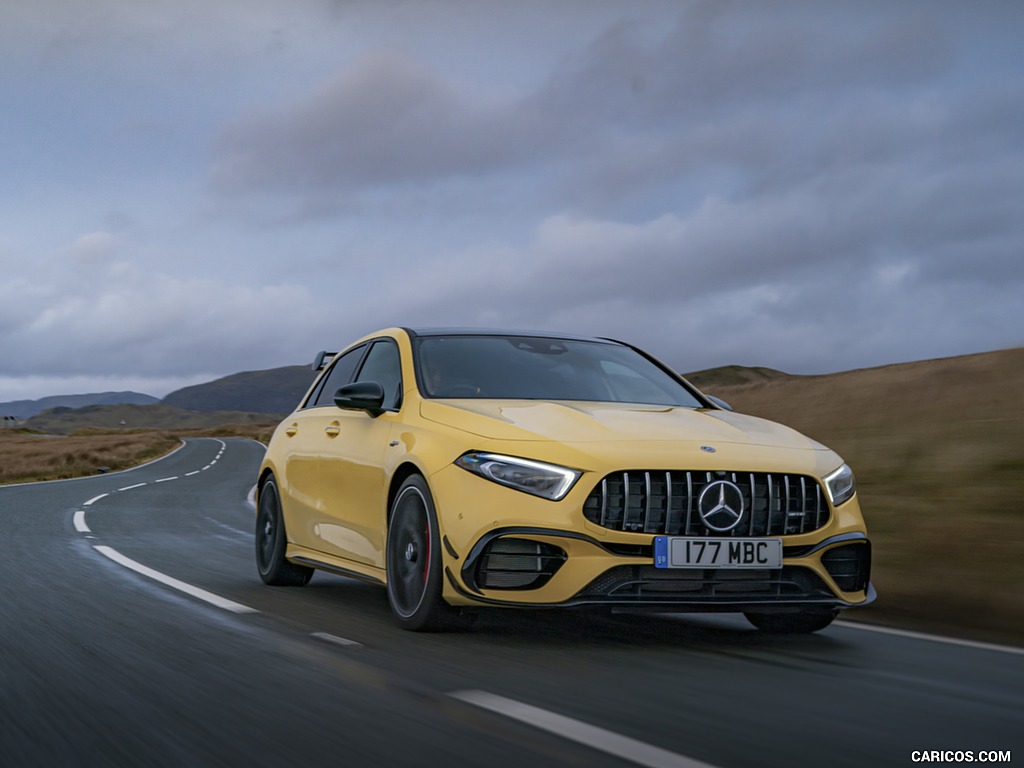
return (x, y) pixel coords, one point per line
(383, 365)
(339, 375)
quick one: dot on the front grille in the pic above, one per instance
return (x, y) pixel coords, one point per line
(665, 502)
(645, 583)
(510, 563)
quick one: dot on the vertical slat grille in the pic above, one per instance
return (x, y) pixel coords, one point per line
(660, 502)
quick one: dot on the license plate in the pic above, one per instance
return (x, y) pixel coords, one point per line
(687, 552)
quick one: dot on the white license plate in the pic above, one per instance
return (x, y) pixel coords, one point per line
(687, 552)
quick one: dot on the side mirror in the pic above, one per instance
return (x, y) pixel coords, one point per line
(361, 396)
(719, 402)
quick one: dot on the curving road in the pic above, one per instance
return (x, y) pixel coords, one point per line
(136, 632)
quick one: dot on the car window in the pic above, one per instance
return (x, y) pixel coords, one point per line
(383, 365)
(628, 385)
(339, 375)
(537, 368)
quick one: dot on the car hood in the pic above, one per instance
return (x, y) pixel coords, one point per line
(574, 422)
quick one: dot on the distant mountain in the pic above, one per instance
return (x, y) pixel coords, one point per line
(274, 391)
(23, 409)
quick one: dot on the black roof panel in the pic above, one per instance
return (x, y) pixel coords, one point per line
(455, 331)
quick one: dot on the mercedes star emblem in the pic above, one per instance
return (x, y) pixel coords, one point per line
(720, 505)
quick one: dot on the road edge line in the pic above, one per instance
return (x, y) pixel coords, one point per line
(169, 581)
(910, 634)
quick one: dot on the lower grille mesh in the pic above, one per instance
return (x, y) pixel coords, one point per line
(640, 583)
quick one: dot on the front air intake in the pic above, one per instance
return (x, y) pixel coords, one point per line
(510, 563)
(849, 566)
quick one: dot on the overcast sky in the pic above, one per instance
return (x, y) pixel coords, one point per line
(196, 188)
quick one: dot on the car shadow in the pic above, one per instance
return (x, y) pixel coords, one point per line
(577, 628)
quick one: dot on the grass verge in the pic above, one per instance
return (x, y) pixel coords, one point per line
(32, 457)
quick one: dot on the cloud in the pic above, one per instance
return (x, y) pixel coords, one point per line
(385, 120)
(693, 95)
(99, 312)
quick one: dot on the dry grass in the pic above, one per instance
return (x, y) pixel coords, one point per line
(28, 457)
(938, 450)
(31, 457)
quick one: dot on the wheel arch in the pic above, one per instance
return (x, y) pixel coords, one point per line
(402, 473)
(265, 474)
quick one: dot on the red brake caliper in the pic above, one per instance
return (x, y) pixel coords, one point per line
(426, 559)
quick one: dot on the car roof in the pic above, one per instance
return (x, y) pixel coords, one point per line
(503, 332)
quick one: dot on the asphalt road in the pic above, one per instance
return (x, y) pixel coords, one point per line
(134, 631)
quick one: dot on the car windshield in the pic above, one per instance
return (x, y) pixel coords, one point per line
(538, 368)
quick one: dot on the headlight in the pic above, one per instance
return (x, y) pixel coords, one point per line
(548, 481)
(840, 485)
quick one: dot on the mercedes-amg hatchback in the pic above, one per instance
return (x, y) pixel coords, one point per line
(468, 468)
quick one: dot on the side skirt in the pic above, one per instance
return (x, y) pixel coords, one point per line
(337, 570)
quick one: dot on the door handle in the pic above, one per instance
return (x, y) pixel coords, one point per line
(291, 430)
(333, 429)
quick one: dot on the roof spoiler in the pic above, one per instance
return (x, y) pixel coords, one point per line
(322, 359)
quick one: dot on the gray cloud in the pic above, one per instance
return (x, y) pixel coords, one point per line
(384, 121)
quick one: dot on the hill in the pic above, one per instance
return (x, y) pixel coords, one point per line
(64, 421)
(274, 391)
(731, 375)
(23, 409)
(938, 451)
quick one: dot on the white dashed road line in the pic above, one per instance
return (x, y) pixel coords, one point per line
(596, 738)
(209, 597)
(335, 640)
(80, 525)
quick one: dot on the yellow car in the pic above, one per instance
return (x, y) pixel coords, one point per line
(467, 468)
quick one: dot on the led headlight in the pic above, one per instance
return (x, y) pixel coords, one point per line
(548, 481)
(840, 485)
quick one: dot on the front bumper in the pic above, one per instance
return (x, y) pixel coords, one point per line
(503, 569)
(503, 547)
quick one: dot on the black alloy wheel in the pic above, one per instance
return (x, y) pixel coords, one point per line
(271, 541)
(414, 566)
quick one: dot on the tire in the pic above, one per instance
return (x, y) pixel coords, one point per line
(414, 560)
(802, 623)
(271, 541)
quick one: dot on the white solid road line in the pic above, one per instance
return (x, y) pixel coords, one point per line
(170, 581)
(933, 638)
(596, 738)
